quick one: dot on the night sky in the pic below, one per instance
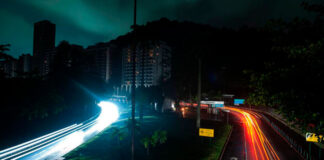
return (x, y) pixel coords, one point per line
(87, 22)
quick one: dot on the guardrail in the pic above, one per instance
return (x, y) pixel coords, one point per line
(306, 150)
(300, 149)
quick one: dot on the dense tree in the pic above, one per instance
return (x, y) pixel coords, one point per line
(291, 80)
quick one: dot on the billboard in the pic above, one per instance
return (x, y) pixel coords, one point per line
(238, 101)
(214, 103)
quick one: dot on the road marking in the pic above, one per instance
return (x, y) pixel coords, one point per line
(245, 144)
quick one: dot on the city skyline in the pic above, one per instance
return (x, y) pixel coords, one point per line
(86, 23)
(188, 79)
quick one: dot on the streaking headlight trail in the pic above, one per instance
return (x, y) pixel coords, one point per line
(109, 114)
(56, 144)
(259, 147)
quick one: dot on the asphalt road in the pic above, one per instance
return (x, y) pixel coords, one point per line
(252, 137)
(236, 146)
(244, 148)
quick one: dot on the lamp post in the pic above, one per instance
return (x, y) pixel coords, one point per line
(227, 117)
(133, 83)
(199, 93)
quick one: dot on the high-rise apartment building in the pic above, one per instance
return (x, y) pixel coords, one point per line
(106, 62)
(9, 68)
(44, 37)
(47, 62)
(24, 63)
(44, 46)
(153, 64)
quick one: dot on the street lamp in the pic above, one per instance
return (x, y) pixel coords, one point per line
(133, 83)
(225, 110)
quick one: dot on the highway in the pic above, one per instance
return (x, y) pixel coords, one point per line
(257, 146)
(56, 144)
(253, 138)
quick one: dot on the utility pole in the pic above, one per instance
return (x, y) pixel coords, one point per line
(133, 83)
(199, 93)
(227, 118)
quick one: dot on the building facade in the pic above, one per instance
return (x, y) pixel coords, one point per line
(12, 68)
(44, 46)
(47, 62)
(153, 64)
(106, 62)
(44, 37)
(9, 67)
(24, 63)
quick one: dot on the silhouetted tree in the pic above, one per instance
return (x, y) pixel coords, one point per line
(291, 80)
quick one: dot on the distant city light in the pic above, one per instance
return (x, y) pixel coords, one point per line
(172, 106)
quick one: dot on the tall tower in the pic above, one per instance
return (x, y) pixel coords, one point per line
(44, 46)
(153, 64)
(44, 37)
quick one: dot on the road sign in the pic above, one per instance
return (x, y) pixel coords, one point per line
(214, 103)
(206, 132)
(313, 137)
(238, 101)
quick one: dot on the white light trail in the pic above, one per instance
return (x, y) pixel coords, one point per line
(109, 114)
(45, 144)
(34, 141)
(11, 148)
(60, 142)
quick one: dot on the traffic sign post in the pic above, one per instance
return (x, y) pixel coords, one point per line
(238, 101)
(310, 149)
(205, 132)
(214, 104)
(313, 137)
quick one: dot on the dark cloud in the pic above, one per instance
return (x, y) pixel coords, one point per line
(86, 22)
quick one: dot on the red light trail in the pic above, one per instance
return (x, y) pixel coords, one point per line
(258, 146)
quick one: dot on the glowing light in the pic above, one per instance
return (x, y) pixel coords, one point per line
(56, 144)
(34, 141)
(172, 106)
(259, 145)
(109, 114)
(67, 144)
(40, 146)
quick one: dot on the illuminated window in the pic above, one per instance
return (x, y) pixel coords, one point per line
(151, 52)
